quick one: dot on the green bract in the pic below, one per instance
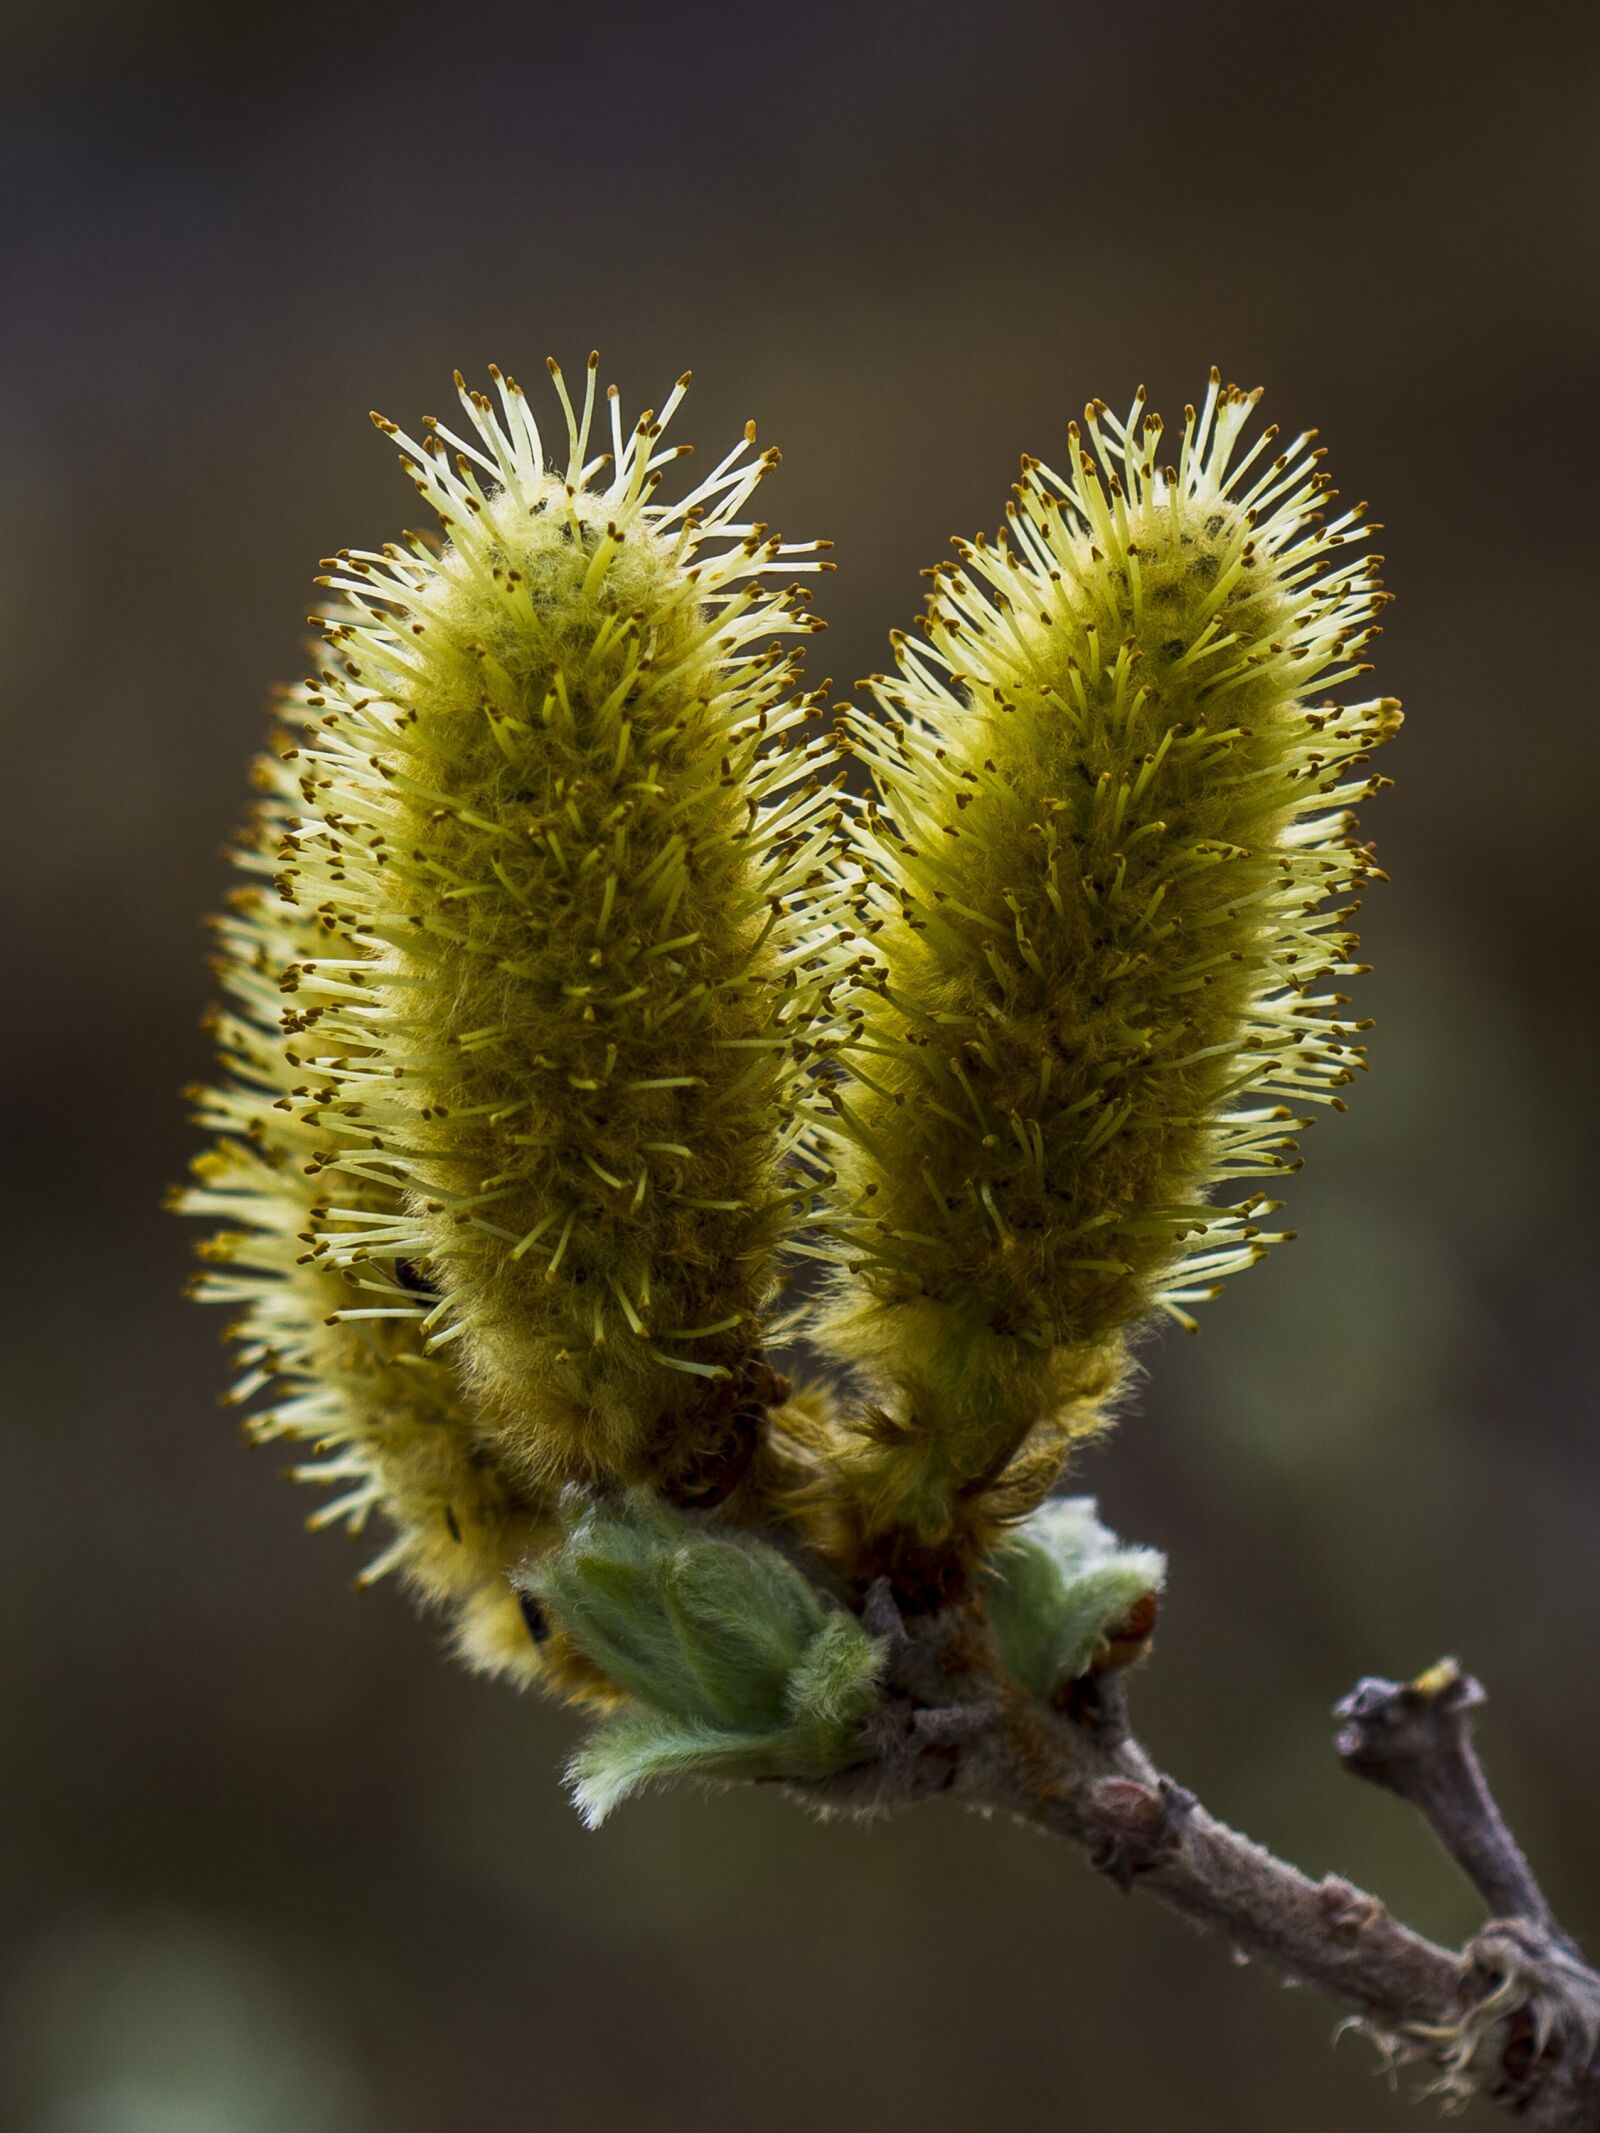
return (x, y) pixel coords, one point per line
(734, 1664)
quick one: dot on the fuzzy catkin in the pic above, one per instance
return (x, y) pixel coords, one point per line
(550, 777)
(1106, 875)
(534, 952)
(392, 1430)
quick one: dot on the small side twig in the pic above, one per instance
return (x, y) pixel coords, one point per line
(1414, 1738)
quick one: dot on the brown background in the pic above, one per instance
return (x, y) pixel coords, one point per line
(265, 1861)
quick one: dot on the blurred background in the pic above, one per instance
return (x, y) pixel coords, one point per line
(265, 1861)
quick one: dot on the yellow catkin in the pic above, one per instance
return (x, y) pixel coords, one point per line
(1107, 876)
(526, 995)
(392, 1433)
(553, 773)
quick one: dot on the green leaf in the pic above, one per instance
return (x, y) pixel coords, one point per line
(1058, 1587)
(736, 1666)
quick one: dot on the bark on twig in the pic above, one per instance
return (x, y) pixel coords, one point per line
(1514, 2016)
(1415, 1739)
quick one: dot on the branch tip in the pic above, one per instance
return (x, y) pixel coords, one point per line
(1414, 1738)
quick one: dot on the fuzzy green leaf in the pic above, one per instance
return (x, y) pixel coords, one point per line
(1058, 1588)
(737, 1666)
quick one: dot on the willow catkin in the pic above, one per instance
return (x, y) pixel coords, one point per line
(1107, 874)
(393, 1433)
(517, 1091)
